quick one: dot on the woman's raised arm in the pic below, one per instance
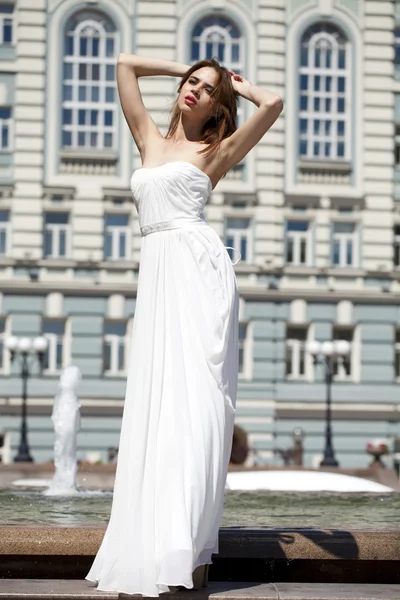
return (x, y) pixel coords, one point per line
(235, 147)
(129, 68)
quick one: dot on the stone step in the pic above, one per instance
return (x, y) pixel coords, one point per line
(302, 555)
(290, 544)
(63, 589)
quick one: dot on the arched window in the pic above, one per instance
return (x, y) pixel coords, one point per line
(89, 90)
(325, 79)
(217, 37)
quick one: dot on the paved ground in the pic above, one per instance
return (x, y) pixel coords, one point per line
(52, 589)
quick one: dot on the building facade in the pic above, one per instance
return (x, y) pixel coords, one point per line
(314, 209)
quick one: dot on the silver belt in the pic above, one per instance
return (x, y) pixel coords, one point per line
(173, 224)
(177, 224)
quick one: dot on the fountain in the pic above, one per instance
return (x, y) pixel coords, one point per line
(66, 420)
(65, 417)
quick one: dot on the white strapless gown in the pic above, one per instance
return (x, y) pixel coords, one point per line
(177, 424)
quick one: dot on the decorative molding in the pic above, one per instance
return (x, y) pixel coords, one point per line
(233, 199)
(298, 312)
(116, 306)
(344, 313)
(325, 7)
(6, 191)
(66, 192)
(82, 163)
(334, 198)
(54, 305)
(325, 172)
(110, 193)
(296, 7)
(316, 411)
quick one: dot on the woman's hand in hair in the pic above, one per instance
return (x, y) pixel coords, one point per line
(240, 84)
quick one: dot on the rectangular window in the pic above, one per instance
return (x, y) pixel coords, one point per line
(54, 331)
(397, 354)
(116, 237)
(396, 246)
(5, 129)
(344, 245)
(238, 236)
(343, 367)
(397, 147)
(56, 235)
(397, 54)
(115, 347)
(2, 342)
(6, 24)
(243, 328)
(296, 338)
(298, 243)
(4, 232)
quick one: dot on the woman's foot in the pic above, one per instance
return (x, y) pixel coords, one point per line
(200, 577)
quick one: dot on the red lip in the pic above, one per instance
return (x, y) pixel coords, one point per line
(191, 99)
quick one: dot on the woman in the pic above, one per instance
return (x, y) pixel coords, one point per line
(177, 425)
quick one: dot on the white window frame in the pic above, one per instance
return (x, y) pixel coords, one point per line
(341, 375)
(92, 28)
(297, 237)
(5, 364)
(238, 234)
(56, 229)
(397, 53)
(9, 125)
(217, 34)
(246, 345)
(343, 239)
(7, 17)
(5, 226)
(296, 347)
(397, 353)
(115, 342)
(396, 246)
(115, 231)
(332, 37)
(53, 340)
(397, 145)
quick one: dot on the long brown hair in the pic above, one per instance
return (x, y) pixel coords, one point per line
(222, 121)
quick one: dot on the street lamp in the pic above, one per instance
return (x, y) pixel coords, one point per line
(23, 348)
(324, 353)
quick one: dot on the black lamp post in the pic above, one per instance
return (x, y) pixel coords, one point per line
(324, 354)
(24, 348)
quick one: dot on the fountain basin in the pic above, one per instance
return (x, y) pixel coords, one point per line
(302, 481)
(246, 554)
(265, 509)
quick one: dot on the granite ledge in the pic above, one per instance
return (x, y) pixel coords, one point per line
(51, 589)
(308, 544)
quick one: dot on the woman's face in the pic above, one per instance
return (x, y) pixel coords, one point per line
(195, 96)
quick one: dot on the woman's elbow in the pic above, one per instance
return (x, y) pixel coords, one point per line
(276, 103)
(125, 59)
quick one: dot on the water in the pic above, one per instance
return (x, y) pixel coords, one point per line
(65, 419)
(319, 510)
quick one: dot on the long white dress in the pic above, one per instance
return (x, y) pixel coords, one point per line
(177, 424)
